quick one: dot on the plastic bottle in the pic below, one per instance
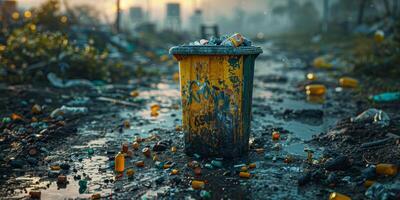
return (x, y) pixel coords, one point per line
(235, 40)
(386, 97)
(338, 196)
(198, 185)
(348, 82)
(119, 162)
(315, 89)
(386, 169)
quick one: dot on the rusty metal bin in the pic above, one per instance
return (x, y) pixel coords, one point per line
(216, 86)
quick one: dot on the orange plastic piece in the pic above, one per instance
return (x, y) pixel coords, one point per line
(139, 164)
(119, 162)
(154, 114)
(386, 169)
(275, 135)
(15, 117)
(315, 89)
(198, 185)
(166, 166)
(174, 172)
(243, 169)
(155, 107)
(244, 175)
(252, 165)
(338, 196)
(348, 82)
(55, 167)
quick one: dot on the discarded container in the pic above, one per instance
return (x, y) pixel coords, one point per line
(174, 172)
(119, 162)
(243, 169)
(55, 167)
(315, 89)
(386, 169)
(244, 175)
(252, 165)
(198, 185)
(338, 196)
(146, 152)
(348, 82)
(173, 149)
(216, 87)
(386, 97)
(235, 40)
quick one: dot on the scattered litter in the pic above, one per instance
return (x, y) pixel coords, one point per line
(386, 169)
(315, 89)
(338, 196)
(57, 82)
(244, 175)
(348, 82)
(68, 111)
(198, 185)
(119, 162)
(378, 191)
(374, 116)
(386, 97)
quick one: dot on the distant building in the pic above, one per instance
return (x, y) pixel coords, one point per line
(196, 20)
(7, 9)
(136, 15)
(173, 19)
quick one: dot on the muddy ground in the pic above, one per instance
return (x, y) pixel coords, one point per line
(84, 145)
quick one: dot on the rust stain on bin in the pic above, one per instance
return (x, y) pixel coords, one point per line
(216, 91)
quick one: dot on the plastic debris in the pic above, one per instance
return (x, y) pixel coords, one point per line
(90, 151)
(198, 185)
(130, 172)
(136, 145)
(205, 195)
(173, 149)
(311, 76)
(119, 162)
(139, 163)
(35, 194)
(134, 93)
(82, 186)
(378, 191)
(57, 82)
(174, 172)
(55, 167)
(379, 36)
(16, 117)
(275, 135)
(146, 152)
(243, 169)
(338, 196)
(244, 175)
(320, 62)
(374, 116)
(235, 40)
(126, 124)
(386, 169)
(36, 109)
(68, 111)
(386, 97)
(252, 165)
(315, 89)
(348, 82)
(216, 163)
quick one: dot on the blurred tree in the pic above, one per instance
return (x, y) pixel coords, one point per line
(49, 16)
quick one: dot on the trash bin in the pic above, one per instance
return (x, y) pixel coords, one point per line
(216, 85)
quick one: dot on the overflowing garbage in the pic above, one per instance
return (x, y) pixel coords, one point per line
(235, 40)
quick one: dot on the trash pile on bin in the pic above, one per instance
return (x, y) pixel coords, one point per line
(235, 40)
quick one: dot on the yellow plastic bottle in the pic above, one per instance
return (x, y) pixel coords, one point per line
(315, 89)
(338, 196)
(348, 82)
(119, 162)
(386, 169)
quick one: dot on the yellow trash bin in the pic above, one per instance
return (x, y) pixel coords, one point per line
(216, 87)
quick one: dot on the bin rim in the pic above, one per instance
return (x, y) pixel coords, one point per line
(215, 50)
